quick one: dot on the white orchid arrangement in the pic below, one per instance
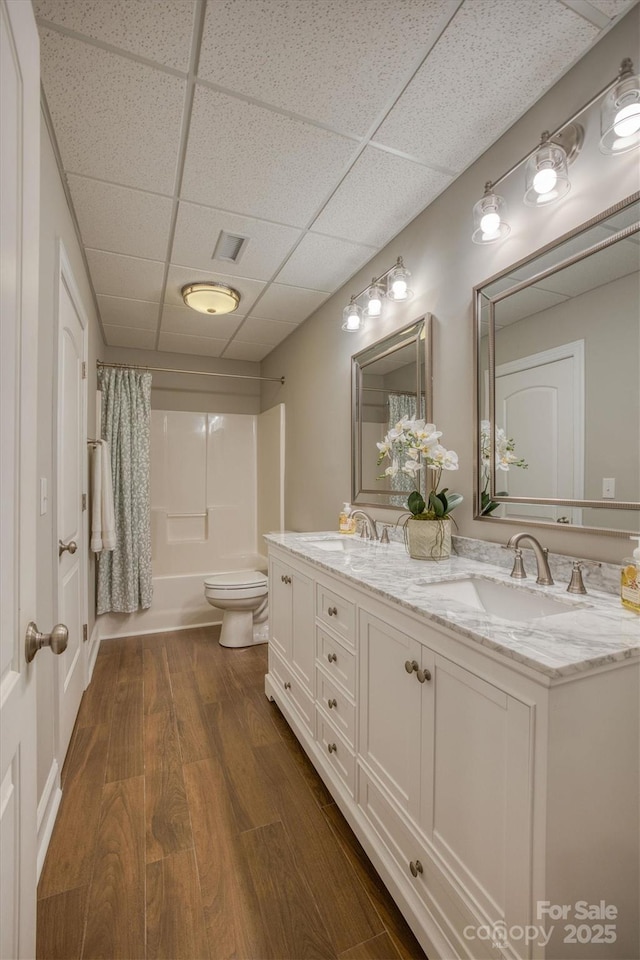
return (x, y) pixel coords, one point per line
(506, 457)
(412, 445)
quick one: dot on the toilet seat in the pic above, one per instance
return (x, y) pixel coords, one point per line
(241, 585)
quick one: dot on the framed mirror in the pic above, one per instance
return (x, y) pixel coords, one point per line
(389, 380)
(557, 341)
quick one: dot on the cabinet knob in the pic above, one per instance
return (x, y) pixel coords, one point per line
(287, 685)
(332, 703)
(416, 867)
(333, 611)
(412, 666)
(423, 675)
(285, 578)
(331, 657)
(331, 747)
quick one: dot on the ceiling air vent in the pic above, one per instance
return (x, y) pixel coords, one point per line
(230, 247)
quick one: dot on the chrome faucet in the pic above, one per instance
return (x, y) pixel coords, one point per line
(544, 573)
(369, 531)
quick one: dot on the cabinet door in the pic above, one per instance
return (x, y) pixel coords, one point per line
(280, 607)
(480, 818)
(302, 628)
(390, 736)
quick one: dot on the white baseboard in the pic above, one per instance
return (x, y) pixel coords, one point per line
(148, 630)
(94, 647)
(47, 812)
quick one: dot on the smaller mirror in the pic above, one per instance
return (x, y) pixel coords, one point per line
(389, 380)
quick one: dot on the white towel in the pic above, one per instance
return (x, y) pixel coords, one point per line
(103, 530)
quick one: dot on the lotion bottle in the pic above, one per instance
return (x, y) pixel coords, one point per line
(345, 524)
(630, 580)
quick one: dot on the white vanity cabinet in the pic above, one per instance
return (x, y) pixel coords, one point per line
(478, 786)
(291, 636)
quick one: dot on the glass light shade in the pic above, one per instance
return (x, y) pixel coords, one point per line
(375, 294)
(620, 117)
(210, 297)
(352, 319)
(489, 223)
(398, 282)
(547, 175)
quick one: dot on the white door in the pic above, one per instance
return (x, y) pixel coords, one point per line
(19, 199)
(72, 549)
(540, 404)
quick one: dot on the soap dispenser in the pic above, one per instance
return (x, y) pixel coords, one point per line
(345, 523)
(630, 580)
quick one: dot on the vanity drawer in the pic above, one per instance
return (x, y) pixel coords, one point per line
(340, 756)
(334, 702)
(337, 613)
(339, 662)
(292, 692)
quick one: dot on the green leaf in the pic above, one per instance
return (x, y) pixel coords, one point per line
(436, 504)
(416, 503)
(453, 500)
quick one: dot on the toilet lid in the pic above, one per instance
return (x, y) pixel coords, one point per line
(241, 578)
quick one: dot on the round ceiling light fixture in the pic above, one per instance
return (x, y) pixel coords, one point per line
(210, 297)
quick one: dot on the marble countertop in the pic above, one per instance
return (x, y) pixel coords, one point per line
(596, 629)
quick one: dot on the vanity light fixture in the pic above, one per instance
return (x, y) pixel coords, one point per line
(546, 172)
(210, 297)
(395, 288)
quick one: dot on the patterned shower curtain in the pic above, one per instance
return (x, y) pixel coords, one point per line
(401, 405)
(124, 574)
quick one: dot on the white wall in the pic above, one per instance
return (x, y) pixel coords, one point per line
(445, 267)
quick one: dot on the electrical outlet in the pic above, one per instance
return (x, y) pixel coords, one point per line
(609, 488)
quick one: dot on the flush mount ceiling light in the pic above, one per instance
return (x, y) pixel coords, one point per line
(210, 297)
(374, 295)
(547, 174)
(489, 213)
(620, 113)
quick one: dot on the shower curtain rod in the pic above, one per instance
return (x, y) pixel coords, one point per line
(195, 373)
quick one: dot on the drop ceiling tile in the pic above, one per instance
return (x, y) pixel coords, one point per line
(121, 220)
(239, 350)
(505, 55)
(248, 159)
(323, 263)
(120, 312)
(115, 119)
(130, 277)
(179, 276)
(159, 31)
(263, 331)
(128, 337)
(290, 304)
(334, 62)
(378, 197)
(198, 229)
(611, 8)
(197, 346)
(190, 323)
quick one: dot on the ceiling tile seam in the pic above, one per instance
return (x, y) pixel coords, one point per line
(44, 107)
(402, 155)
(130, 256)
(589, 13)
(114, 296)
(194, 56)
(117, 183)
(110, 48)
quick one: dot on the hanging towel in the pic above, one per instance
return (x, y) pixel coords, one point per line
(103, 530)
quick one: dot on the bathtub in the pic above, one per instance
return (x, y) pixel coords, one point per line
(178, 603)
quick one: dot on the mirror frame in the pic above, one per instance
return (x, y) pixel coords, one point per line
(477, 321)
(417, 333)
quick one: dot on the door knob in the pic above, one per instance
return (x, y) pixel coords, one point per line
(35, 641)
(72, 546)
(416, 867)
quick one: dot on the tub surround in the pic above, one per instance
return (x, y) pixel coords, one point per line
(599, 632)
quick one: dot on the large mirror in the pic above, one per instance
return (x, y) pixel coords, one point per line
(389, 380)
(558, 381)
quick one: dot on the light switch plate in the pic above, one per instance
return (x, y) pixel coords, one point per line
(609, 488)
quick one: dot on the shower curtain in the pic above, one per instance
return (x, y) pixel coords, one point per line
(124, 574)
(401, 405)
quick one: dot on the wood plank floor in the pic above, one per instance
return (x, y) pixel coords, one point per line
(192, 824)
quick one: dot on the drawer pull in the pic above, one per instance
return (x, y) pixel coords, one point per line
(416, 867)
(333, 611)
(285, 578)
(412, 666)
(332, 703)
(331, 747)
(287, 685)
(332, 657)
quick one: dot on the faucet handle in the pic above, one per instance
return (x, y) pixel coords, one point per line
(576, 584)
(518, 572)
(384, 536)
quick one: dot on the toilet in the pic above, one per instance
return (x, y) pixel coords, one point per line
(243, 598)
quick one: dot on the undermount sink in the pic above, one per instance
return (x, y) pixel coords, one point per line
(342, 543)
(499, 599)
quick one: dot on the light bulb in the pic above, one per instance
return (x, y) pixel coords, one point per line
(399, 289)
(545, 180)
(353, 321)
(627, 120)
(490, 222)
(374, 307)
